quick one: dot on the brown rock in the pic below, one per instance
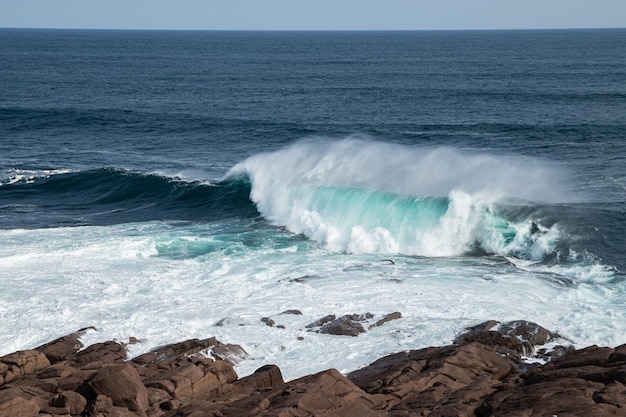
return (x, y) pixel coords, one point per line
(32, 394)
(74, 380)
(327, 393)
(157, 396)
(21, 363)
(386, 319)
(516, 339)
(101, 353)
(18, 407)
(435, 379)
(123, 385)
(266, 377)
(618, 355)
(343, 326)
(57, 411)
(120, 412)
(73, 401)
(102, 404)
(57, 370)
(321, 321)
(59, 349)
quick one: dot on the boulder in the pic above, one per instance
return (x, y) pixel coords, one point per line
(18, 407)
(18, 364)
(343, 326)
(266, 377)
(72, 400)
(121, 383)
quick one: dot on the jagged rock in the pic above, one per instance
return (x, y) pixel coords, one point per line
(349, 324)
(436, 379)
(343, 326)
(168, 356)
(474, 377)
(517, 339)
(322, 321)
(59, 349)
(101, 405)
(121, 383)
(386, 319)
(16, 400)
(327, 393)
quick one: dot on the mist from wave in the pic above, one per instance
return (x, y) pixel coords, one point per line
(362, 196)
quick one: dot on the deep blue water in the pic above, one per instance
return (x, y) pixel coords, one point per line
(424, 145)
(113, 106)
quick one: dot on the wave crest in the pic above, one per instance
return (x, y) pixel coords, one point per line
(362, 196)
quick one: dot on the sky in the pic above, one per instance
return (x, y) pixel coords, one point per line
(313, 14)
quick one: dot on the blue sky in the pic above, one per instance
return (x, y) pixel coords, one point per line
(313, 14)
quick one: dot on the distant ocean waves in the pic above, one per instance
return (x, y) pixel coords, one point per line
(54, 198)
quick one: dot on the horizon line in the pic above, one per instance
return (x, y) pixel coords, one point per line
(310, 30)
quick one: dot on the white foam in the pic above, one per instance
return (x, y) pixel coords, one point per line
(343, 194)
(56, 281)
(362, 163)
(28, 176)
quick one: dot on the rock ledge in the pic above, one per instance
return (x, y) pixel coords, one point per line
(482, 374)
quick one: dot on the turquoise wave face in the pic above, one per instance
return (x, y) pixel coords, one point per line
(351, 207)
(355, 220)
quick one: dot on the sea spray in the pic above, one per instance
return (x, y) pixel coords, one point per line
(362, 196)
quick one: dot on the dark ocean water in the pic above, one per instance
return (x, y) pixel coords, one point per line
(456, 151)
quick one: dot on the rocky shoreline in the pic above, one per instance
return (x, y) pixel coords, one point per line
(483, 373)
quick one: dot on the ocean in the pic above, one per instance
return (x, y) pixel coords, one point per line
(168, 185)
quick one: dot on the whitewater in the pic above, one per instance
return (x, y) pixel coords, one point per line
(444, 237)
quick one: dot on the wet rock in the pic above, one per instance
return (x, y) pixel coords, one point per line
(293, 312)
(343, 326)
(268, 321)
(321, 322)
(437, 379)
(386, 319)
(349, 324)
(517, 339)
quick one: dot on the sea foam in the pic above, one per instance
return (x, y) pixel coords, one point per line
(361, 196)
